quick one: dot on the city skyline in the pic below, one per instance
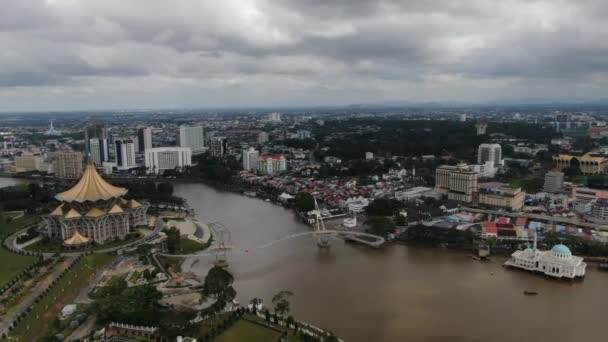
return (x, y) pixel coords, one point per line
(68, 55)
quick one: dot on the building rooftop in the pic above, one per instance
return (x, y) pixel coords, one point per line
(91, 187)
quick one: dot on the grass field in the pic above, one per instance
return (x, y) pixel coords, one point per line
(247, 331)
(9, 228)
(12, 264)
(188, 246)
(39, 320)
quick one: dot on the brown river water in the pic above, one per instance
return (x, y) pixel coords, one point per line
(398, 293)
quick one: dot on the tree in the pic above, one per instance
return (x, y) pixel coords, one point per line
(281, 302)
(133, 305)
(380, 225)
(383, 207)
(165, 188)
(217, 281)
(304, 202)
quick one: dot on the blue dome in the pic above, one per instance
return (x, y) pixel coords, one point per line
(561, 250)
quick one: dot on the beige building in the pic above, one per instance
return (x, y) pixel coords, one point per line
(68, 165)
(589, 164)
(459, 182)
(501, 195)
(28, 162)
(93, 211)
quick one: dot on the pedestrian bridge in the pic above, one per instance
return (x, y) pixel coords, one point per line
(360, 237)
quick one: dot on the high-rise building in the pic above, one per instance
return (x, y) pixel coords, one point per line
(68, 165)
(303, 134)
(99, 152)
(160, 159)
(274, 117)
(272, 164)
(193, 137)
(554, 181)
(489, 152)
(481, 128)
(262, 138)
(500, 195)
(144, 138)
(218, 146)
(458, 181)
(125, 154)
(250, 159)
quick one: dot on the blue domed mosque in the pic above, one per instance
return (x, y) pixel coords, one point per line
(557, 262)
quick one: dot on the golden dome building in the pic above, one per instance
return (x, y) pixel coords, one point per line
(94, 209)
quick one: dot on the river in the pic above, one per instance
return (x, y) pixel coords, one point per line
(398, 293)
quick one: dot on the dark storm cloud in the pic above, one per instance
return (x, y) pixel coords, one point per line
(430, 49)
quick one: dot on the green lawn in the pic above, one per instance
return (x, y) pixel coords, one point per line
(9, 228)
(12, 264)
(247, 331)
(188, 246)
(39, 320)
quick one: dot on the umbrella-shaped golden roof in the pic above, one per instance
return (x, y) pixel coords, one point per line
(91, 187)
(76, 240)
(95, 212)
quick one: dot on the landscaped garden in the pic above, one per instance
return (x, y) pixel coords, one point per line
(40, 318)
(12, 264)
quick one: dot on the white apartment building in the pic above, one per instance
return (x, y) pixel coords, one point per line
(99, 152)
(192, 137)
(159, 159)
(489, 152)
(124, 150)
(250, 159)
(144, 138)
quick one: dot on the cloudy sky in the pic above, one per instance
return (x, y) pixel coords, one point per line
(93, 54)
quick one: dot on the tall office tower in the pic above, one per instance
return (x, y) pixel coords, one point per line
(193, 137)
(98, 131)
(250, 159)
(218, 146)
(554, 181)
(160, 159)
(489, 152)
(481, 128)
(68, 165)
(303, 134)
(274, 117)
(262, 138)
(99, 152)
(125, 154)
(144, 138)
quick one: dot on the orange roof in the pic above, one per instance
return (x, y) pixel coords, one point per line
(91, 187)
(58, 211)
(95, 212)
(72, 214)
(76, 239)
(133, 204)
(116, 209)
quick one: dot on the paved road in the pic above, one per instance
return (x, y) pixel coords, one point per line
(554, 219)
(35, 292)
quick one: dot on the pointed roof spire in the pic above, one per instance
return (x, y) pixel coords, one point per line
(91, 187)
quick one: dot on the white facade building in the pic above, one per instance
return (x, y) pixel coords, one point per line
(192, 137)
(99, 151)
(356, 204)
(369, 155)
(486, 170)
(144, 139)
(489, 152)
(271, 164)
(250, 159)
(263, 138)
(303, 134)
(274, 117)
(160, 159)
(558, 262)
(124, 150)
